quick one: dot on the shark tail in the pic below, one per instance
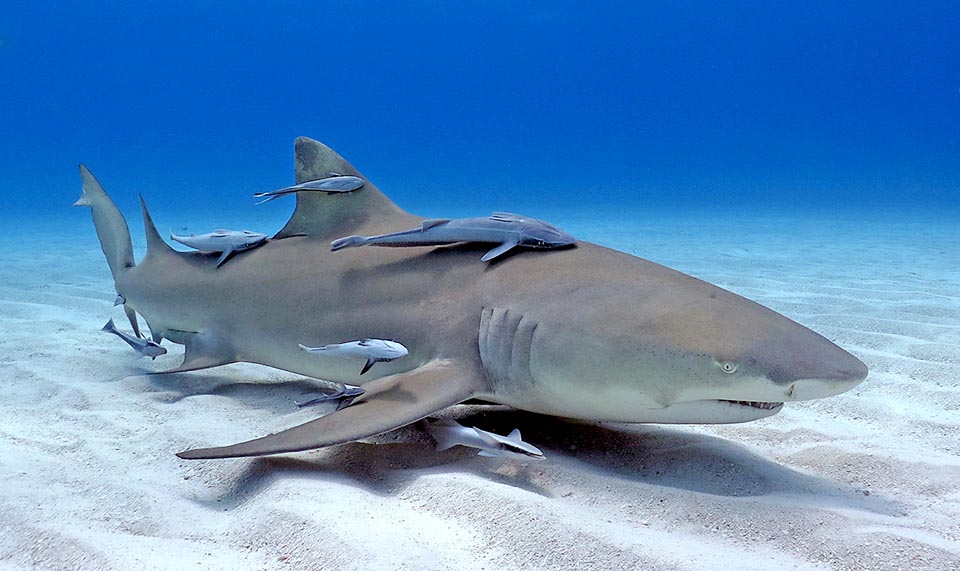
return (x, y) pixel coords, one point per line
(348, 242)
(111, 226)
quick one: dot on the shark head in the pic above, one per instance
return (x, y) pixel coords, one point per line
(666, 348)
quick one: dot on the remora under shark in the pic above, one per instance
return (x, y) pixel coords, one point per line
(587, 333)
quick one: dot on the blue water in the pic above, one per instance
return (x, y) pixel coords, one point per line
(532, 106)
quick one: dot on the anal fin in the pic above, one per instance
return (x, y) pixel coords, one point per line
(388, 403)
(201, 351)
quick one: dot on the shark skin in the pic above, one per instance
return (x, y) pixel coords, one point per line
(588, 332)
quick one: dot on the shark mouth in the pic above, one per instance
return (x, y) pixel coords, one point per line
(753, 404)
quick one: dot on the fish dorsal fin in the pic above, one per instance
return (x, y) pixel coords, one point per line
(428, 224)
(506, 217)
(323, 215)
(156, 246)
(515, 434)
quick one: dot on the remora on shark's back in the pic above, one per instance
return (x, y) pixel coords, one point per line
(228, 242)
(583, 332)
(509, 230)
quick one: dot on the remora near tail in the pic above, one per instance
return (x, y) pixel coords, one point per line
(587, 332)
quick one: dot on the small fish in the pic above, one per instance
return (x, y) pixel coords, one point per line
(145, 347)
(228, 242)
(344, 396)
(373, 350)
(449, 433)
(508, 230)
(333, 183)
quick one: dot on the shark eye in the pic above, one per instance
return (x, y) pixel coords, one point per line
(728, 367)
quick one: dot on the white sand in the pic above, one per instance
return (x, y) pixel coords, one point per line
(866, 480)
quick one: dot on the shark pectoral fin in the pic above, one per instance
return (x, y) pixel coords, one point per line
(366, 367)
(388, 403)
(132, 317)
(201, 351)
(498, 251)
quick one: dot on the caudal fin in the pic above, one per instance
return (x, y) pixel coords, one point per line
(109, 222)
(109, 327)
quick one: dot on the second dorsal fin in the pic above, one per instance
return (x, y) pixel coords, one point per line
(156, 246)
(331, 215)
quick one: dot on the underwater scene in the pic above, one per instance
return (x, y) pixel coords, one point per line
(488, 285)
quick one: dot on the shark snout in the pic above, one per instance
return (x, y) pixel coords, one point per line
(808, 366)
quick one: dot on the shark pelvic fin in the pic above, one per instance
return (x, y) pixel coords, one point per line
(132, 317)
(388, 403)
(110, 224)
(156, 246)
(319, 214)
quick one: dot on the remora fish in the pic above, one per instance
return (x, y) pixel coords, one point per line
(449, 433)
(227, 241)
(587, 332)
(333, 183)
(343, 395)
(145, 347)
(508, 230)
(373, 350)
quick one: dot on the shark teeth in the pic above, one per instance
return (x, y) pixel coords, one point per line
(760, 405)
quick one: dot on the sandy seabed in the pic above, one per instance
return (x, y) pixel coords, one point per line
(866, 480)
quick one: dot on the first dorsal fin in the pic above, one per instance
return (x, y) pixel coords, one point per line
(332, 215)
(156, 246)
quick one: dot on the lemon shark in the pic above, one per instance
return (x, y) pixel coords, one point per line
(587, 333)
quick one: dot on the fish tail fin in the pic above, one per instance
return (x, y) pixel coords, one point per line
(444, 438)
(156, 246)
(348, 242)
(445, 432)
(110, 224)
(110, 327)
